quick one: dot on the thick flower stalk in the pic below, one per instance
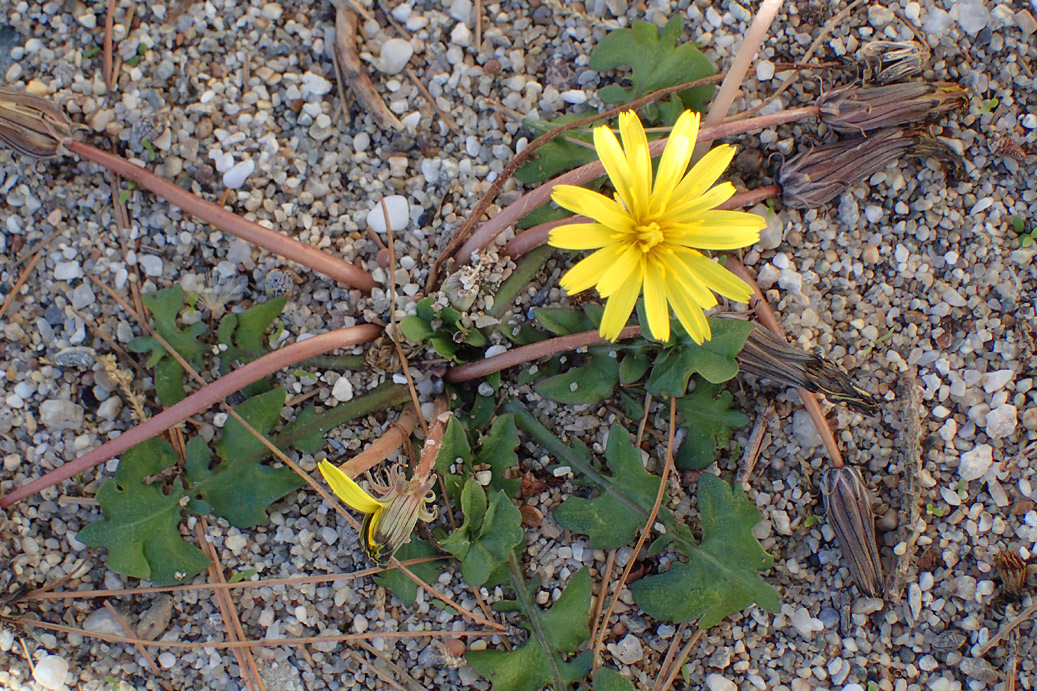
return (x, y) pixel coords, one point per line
(650, 238)
(389, 521)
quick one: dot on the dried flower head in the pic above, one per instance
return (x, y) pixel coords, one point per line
(31, 125)
(848, 507)
(650, 237)
(388, 521)
(856, 110)
(820, 174)
(766, 355)
(896, 60)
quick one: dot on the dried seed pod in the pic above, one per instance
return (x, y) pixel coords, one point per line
(766, 355)
(848, 507)
(818, 175)
(31, 125)
(896, 60)
(1012, 570)
(856, 110)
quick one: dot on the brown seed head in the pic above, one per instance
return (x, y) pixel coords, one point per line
(31, 125)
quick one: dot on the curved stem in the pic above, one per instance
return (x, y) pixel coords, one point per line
(528, 353)
(381, 448)
(538, 235)
(199, 401)
(282, 245)
(765, 315)
(585, 173)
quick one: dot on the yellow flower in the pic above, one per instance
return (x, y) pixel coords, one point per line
(650, 236)
(389, 521)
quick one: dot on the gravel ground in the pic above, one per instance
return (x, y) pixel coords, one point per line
(913, 269)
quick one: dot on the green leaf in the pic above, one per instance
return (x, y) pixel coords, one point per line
(607, 519)
(416, 329)
(165, 306)
(397, 582)
(714, 359)
(240, 488)
(709, 420)
(529, 667)
(563, 322)
(140, 527)
(589, 383)
(606, 679)
(656, 61)
(498, 451)
(454, 451)
(721, 574)
(633, 366)
(491, 530)
(559, 155)
(242, 334)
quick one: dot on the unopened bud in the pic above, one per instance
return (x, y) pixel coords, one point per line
(856, 110)
(848, 508)
(818, 175)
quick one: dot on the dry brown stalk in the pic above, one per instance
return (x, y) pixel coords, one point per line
(22, 278)
(246, 663)
(597, 633)
(351, 69)
(648, 526)
(121, 621)
(753, 447)
(909, 511)
(226, 220)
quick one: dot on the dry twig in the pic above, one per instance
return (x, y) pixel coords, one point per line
(351, 70)
(909, 512)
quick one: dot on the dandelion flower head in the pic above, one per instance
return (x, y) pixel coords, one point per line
(650, 238)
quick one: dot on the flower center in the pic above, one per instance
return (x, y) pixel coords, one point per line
(649, 235)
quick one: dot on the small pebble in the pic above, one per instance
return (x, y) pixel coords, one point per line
(50, 672)
(399, 214)
(717, 682)
(235, 177)
(59, 414)
(396, 53)
(342, 390)
(628, 650)
(973, 464)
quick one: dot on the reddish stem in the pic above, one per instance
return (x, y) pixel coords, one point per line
(765, 315)
(282, 245)
(199, 401)
(538, 235)
(585, 173)
(528, 353)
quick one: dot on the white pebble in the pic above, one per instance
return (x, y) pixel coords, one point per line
(396, 53)
(996, 380)
(314, 85)
(66, 271)
(272, 11)
(1001, 421)
(628, 650)
(167, 660)
(461, 35)
(236, 176)
(399, 214)
(717, 682)
(151, 263)
(461, 10)
(765, 70)
(236, 543)
(574, 96)
(50, 672)
(343, 390)
(974, 463)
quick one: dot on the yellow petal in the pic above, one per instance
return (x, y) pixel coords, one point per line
(687, 283)
(656, 308)
(635, 144)
(706, 172)
(675, 159)
(691, 318)
(615, 162)
(606, 211)
(721, 230)
(690, 208)
(589, 270)
(580, 236)
(348, 491)
(619, 306)
(719, 279)
(627, 261)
